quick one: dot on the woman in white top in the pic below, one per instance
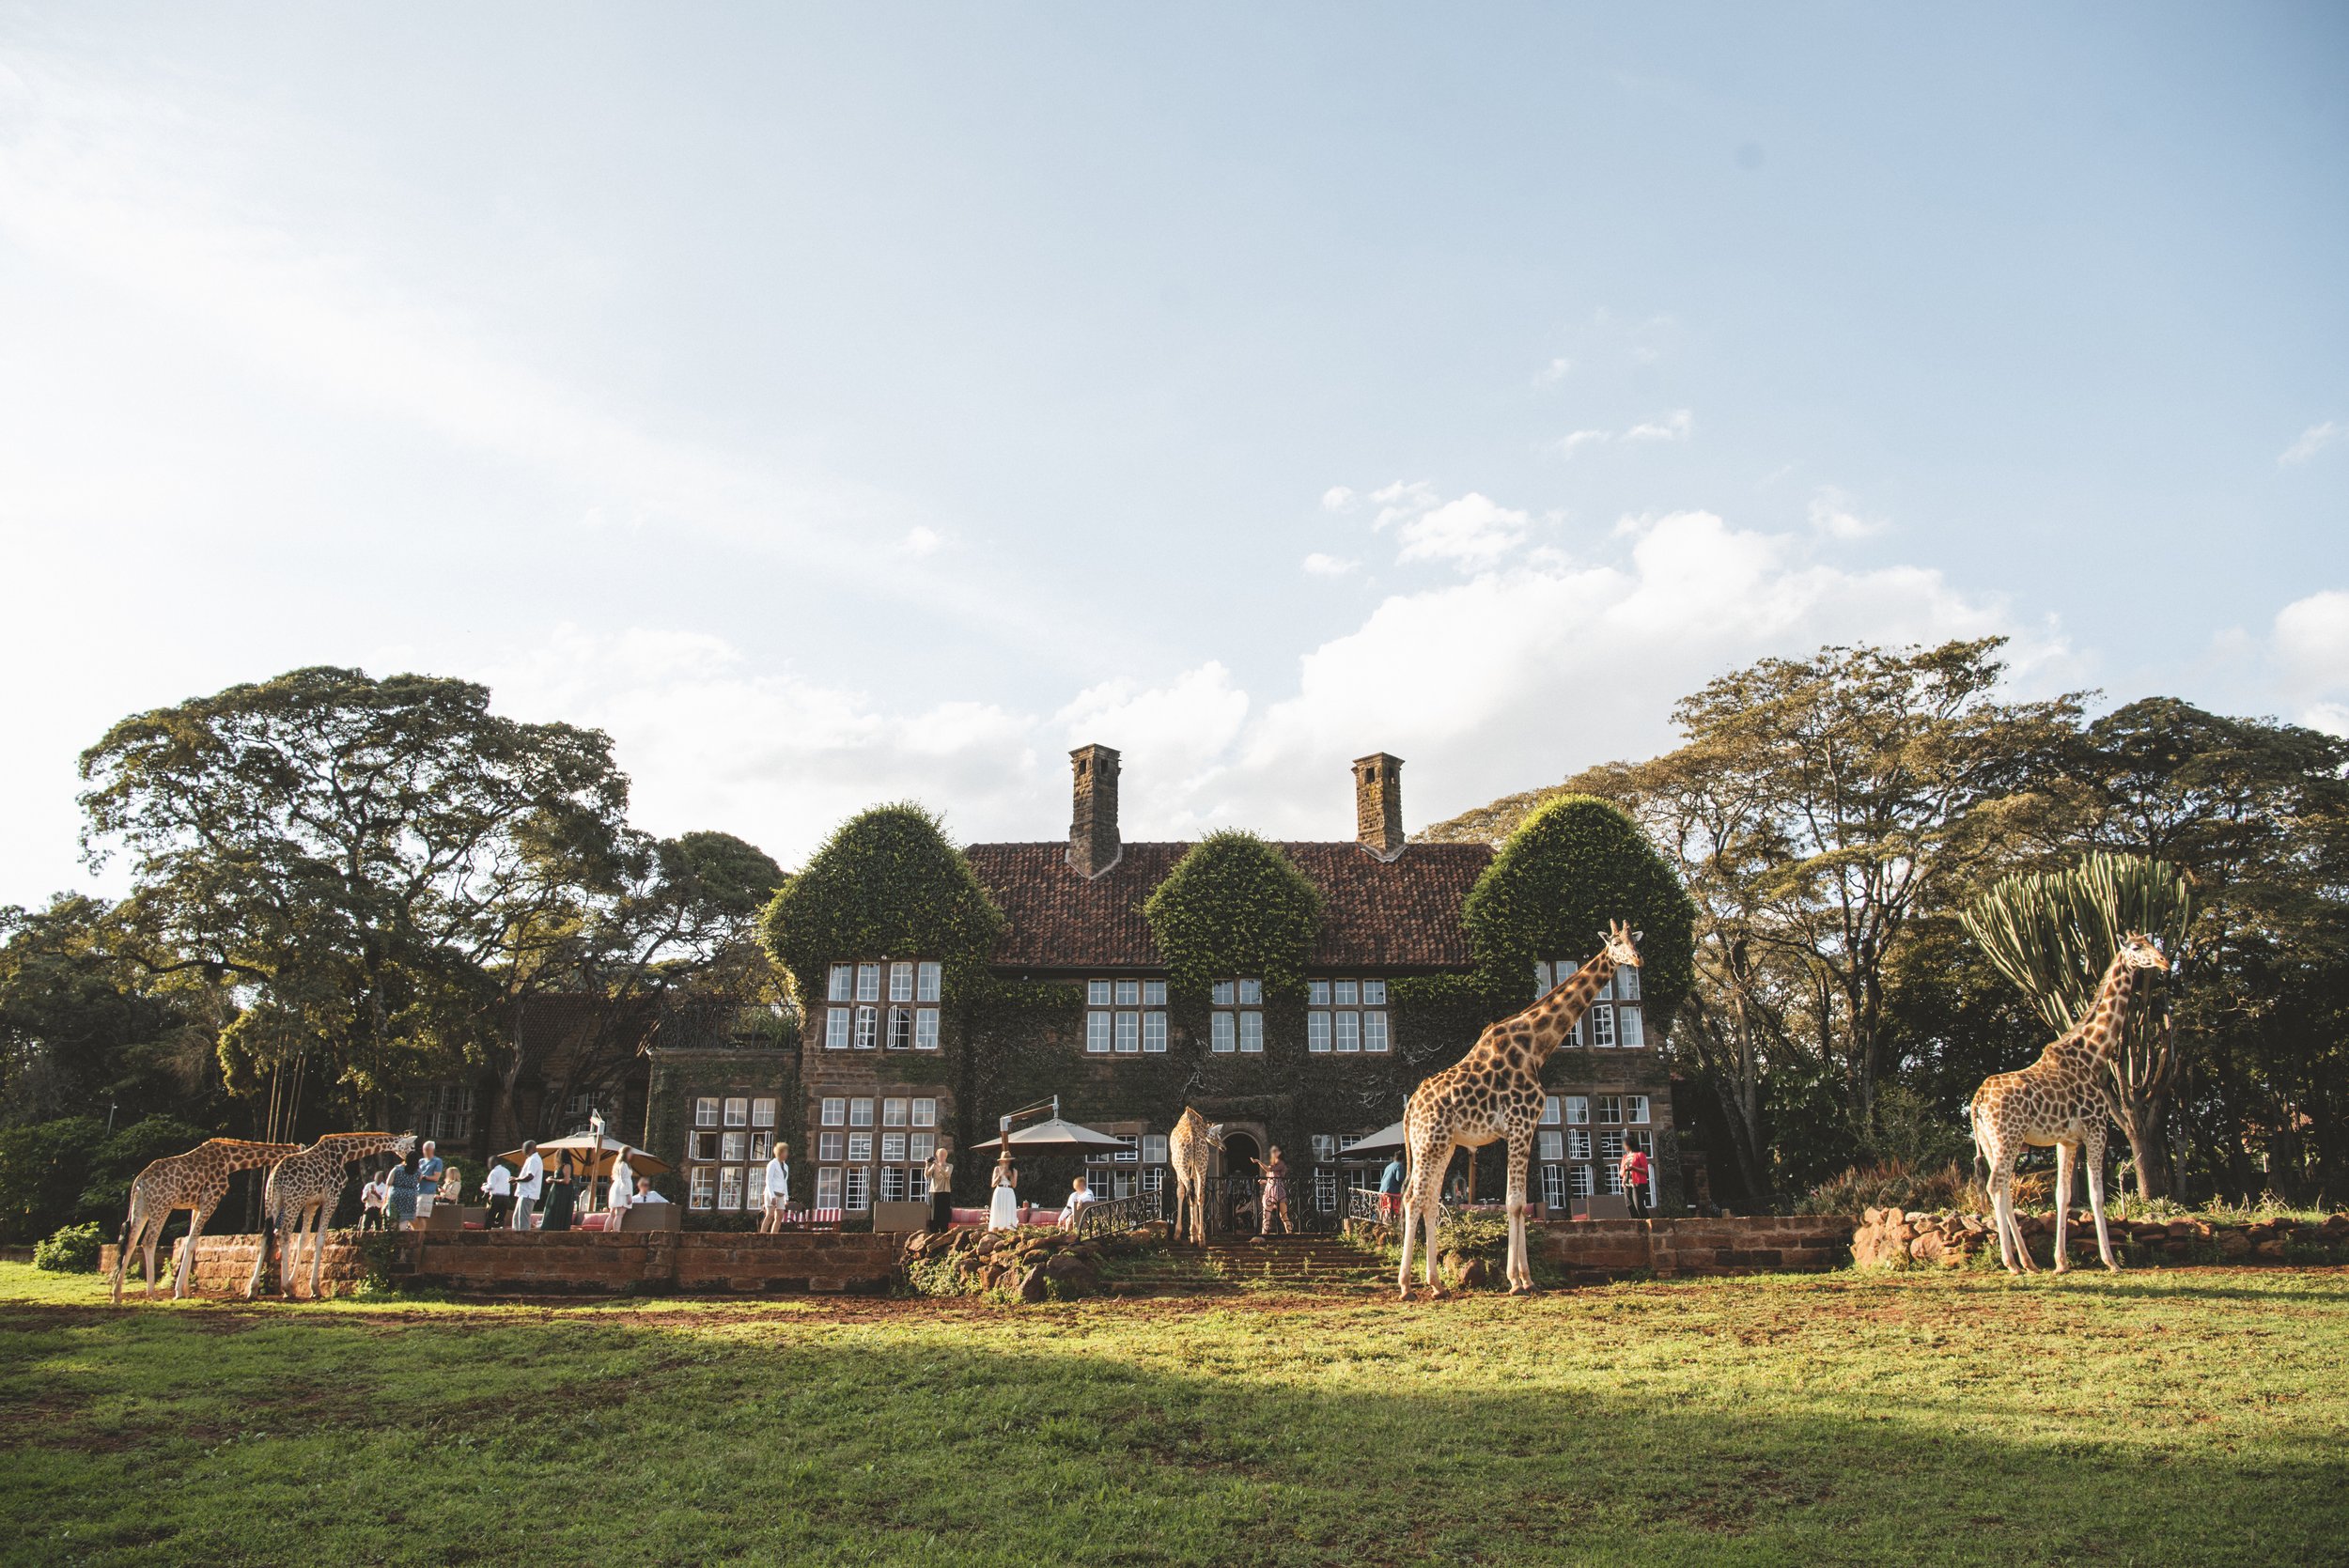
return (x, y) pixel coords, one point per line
(372, 1198)
(1003, 1211)
(623, 1187)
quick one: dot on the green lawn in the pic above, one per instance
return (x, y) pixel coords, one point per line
(2179, 1417)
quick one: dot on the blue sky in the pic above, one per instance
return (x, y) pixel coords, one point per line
(848, 403)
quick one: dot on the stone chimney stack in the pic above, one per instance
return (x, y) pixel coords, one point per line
(1379, 803)
(1093, 843)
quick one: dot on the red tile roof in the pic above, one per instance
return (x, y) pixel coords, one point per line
(1399, 914)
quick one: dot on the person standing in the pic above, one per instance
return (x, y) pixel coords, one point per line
(1276, 1193)
(372, 1197)
(1391, 1189)
(526, 1185)
(428, 1167)
(497, 1194)
(622, 1187)
(1634, 1172)
(403, 1184)
(452, 1185)
(562, 1201)
(777, 1194)
(1003, 1209)
(937, 1172)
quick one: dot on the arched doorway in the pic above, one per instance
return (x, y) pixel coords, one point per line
(1234, 1211)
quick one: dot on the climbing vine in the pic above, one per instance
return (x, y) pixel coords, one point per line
(1573, 866)
(887, 881)
(1235, 906)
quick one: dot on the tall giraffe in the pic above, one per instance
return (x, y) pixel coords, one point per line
(309, 1183)
(1189, 1149)
(1492, 1092)
(2058, 1099)
(196, 1181)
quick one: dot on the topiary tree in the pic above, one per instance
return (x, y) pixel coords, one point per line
(2054, 933)
(1234, 905)
(887, 881)
(1575, 865)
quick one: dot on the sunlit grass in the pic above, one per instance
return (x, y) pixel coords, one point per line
(2180, 1416)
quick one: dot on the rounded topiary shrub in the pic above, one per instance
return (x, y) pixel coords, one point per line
(1573, 866)
(887, 881)
(70, 1251)
(1234, 905)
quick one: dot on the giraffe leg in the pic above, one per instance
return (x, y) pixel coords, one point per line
(317, 1247)
(2011, 1249)
(154, 1239)
(2065, 1154)
(1431, 1215)
(1408, 1217)
(1520, 1269)
(130, 1229)
(2092, 1152)
(187, 1248)
(260, 1256)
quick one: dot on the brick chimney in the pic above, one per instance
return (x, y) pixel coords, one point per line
(1379, 804)
(1093, 842)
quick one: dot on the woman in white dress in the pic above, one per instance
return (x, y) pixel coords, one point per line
(1002, 1212)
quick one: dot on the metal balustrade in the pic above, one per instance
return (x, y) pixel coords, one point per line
(1116, 1216)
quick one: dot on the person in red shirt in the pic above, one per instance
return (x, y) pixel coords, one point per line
(1634, 1170)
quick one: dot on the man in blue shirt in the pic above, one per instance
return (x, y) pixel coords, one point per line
(1391, 1188)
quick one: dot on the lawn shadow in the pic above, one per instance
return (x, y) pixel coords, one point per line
(1244, 1439)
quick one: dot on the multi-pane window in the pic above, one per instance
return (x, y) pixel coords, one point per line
(868, 983)
(926, 1113)
(706, 1111)
(834, 1114)
(927, 980)
(1115, 1022)
(702, 1190)
(1609, 1108)
(1554, 1186)
(860, 1113)
(901, 982)
(734, 1145)
(1577, 1142)
(925, 1029)
(1551, 1144)
(1237, 1021)
(828, 1187)
(1614, 1019)
(1577, 1111)
(867, 1027)
(730, 1188)
(860, 1146)
(893, 1113)
(1154, 1148)
(921, 1145)
(704, 1145)
(842, 982)
(857, 1194)
(1635, 1110)
(1610, 1148)
(1325, 1148)
(762, 1114)
(837, 1022)
(1579, 1180)
(1552, 1112)
(893, 1183)
(830, 1145)
(762, 1144)
(1346, 1017)
(737, 1111)
(893, 1147)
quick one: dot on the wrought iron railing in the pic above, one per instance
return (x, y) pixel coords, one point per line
(1116, 1216)
(1363, 1204)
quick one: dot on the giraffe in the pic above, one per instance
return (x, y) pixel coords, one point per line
(2058, 1099)
(1494, 1092)
(306, 1183)
(196, 1181)
(1189, 1149)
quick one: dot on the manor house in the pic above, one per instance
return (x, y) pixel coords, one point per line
(888, 1060)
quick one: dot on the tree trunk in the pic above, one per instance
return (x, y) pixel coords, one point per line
(2140, 1123)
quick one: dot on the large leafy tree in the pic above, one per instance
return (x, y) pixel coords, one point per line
(360, 858)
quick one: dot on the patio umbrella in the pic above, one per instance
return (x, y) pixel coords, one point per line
(593, 1153)
(1385, 1141)
(1054, 1136)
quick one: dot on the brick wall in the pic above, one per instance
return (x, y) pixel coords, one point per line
(591, 1263)
(224, 1263)
(1669, 1248)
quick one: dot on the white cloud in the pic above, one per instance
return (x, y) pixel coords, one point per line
(2310, 645)
(1554, 372)
(1471, 532)
(1319, 565)
(1831, 517)
(1676, 426)
(922, 541)
(1337, 498)
(2312, 441)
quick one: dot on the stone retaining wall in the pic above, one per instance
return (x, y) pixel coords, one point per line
(1765, 1243)
(224, 1263)
(581, 1262)
(1892, 1238)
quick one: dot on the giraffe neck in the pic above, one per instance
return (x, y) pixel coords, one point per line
(248, 1156)
(1554, 1016)
(2102, 1029)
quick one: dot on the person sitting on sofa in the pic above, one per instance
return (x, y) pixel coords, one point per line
(1079, 1196)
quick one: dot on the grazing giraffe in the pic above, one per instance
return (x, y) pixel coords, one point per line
(196, 1181)
(1492, 1092)
(1189, 1149)
(309, 1183)
(2059, 1099)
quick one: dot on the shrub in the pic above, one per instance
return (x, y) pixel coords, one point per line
(71, 1250)
(1893, 1184)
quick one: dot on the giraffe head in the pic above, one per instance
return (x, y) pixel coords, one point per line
(2137, 952)
(1623, 944)
(1215, 1135)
